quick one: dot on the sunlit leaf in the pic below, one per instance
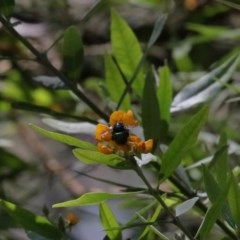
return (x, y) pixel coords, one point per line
(154, 229)
(72, 50)
(184, 139)
(108, 221)
(153, 218)
(185, 206)
(93, 198)
(31, 222)
(115, 83)
(64, 138)
(95, 157)
(126, 50)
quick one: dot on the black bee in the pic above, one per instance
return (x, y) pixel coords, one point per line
(120, 133)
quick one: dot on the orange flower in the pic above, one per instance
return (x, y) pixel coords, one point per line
(116, 138)
(71, 219)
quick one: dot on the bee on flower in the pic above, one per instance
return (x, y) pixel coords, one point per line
(117, 138)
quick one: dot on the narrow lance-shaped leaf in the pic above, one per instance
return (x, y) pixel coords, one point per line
(109, 221)
(126, 50)
(114, 82)
(234, 200)
(150, 110)
(72, 51)
(32, 222)
(213, 189)
(211, 186)
(220, 164)
(157, 29)
(164, 93)
(184, 140)
(152, 219)
(93, 198)
(95, 157)
(213, 213)
(64, 138)
(185, 206)
(207, 86)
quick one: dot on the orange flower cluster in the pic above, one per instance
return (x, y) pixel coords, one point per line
(116, 138)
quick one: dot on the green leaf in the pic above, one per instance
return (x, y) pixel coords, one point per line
(64, 138)
(152, 219)
(213, 190)
(72, 50)
(213, 214)
(150, 110)
(153, 229)
(220, 164)
(7, 7)
(114, 82)
(183, 141)
(211, 186)
(32, 222)
(164, 94)
(95, 157)
(126, 50)
(93, 198)
(108, 221)
(234, 200)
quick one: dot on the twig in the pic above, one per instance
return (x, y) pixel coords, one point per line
(156, 195)
(42, 58)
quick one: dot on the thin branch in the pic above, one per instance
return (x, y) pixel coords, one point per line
(42, 58)
(156, 195)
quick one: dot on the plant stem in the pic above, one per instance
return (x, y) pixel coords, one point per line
(42, 58)
(190, 194)
(156, 195)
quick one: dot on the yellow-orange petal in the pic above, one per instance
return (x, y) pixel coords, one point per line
(148, 146)
(134, 139)
(72, 219)
(128, 119)
(115, 117)
(104, 149)
(102, 133)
